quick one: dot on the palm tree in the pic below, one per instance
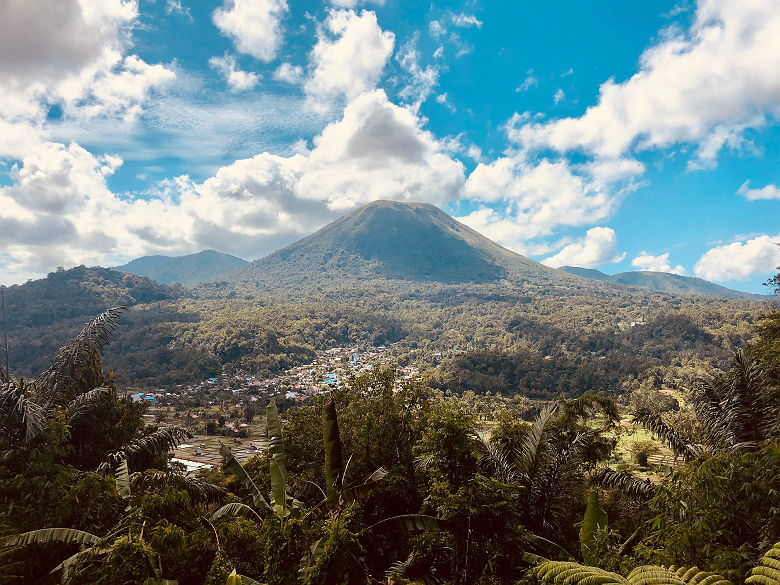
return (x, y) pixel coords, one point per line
(76, 384)
(545, 466)
(735, 411)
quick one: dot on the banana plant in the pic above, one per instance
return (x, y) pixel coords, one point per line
(336, 495)
(282, 504)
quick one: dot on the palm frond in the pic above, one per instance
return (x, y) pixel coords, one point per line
(199, 490)
(78, 366)
(531, 446)
(20, 411)
(695, 576)
(84, 404)
(680, 445)
(566, 573)
(498, 461)
(162, 440)
(404, 569)
(639, 489)
(653, 575)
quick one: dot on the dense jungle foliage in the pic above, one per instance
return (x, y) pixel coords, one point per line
(395, 482)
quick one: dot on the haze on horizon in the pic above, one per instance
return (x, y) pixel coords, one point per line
(617, 136)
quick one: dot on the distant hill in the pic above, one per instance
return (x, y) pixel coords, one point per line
(393, 240)
(663, 282)
(79, 293)
(190, 269)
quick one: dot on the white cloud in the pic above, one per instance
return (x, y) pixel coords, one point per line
(535, 197)
(599, 246)
(378, 151)
(237, 79)
(659, 263)
(421, 81)
(703, 86)
(529, 82)
(175, 6)
(740, 260)
(292, 74)
(767, 192)
(72, 53)
(559, 96)
(463, 20)
(254, 26)
(436, 29)
(348, 59)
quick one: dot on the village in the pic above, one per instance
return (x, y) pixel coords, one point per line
(229, 409)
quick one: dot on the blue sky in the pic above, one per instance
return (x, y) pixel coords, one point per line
(615, 135)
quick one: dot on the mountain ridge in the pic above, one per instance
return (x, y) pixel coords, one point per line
(663, 282)
(189, 269)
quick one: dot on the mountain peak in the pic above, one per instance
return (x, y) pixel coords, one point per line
(393, 240)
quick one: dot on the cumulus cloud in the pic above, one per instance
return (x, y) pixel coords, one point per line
(72, 53)
(288, 73)
(659, 263)
(740, 260)
(705, 86)
(767, 192)
(58, 209)
(599, 246)
(535, 198)
(254, 26)
(237, 79)
(348, 59)
(378, 151)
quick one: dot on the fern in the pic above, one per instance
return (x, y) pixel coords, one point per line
(768, 572)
